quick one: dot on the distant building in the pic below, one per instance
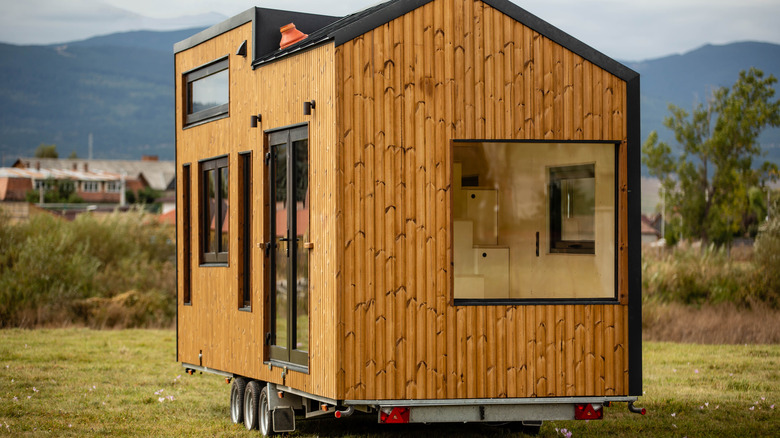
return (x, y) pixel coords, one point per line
(147, 172)
(92, 186)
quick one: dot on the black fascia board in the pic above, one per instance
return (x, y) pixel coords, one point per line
(634, 212)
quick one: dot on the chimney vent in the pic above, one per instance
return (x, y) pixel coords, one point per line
(290, 35)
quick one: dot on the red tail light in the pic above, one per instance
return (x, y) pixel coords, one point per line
(588, 412)
(396, 415)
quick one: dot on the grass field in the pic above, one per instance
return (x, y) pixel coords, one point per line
(79, 382)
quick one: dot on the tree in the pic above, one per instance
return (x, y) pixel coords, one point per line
(709, 184)
(46, 151)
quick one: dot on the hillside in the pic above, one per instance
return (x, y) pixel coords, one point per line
(120, 88)
(689, 79)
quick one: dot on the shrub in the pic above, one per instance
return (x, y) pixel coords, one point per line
(50, 267)
(710, 275)
(767, 261)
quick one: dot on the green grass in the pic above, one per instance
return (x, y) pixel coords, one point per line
(107, 383)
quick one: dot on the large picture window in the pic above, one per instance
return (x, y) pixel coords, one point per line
(533, 221)
(214, 207)
(207, 92)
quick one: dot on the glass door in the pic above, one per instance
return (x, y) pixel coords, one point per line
(289, 224)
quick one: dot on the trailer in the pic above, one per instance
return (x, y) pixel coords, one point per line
(427, 210)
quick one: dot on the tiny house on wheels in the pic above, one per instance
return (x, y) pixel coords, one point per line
(426, 210)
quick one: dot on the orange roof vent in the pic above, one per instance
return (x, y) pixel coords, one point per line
(290, 35)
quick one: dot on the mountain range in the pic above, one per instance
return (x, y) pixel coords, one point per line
(119, 88)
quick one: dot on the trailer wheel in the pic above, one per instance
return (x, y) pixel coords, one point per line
(265, 414)
(237, 400)
(251, 396)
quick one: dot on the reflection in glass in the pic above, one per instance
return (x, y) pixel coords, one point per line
(282, 252)
(301, 166)
(210, 207)
(224, 191)
(209, 92)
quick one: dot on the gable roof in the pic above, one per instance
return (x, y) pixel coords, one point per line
(354, 25)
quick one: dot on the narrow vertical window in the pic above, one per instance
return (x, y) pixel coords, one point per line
(215, 220)
(245, 301)
(186, 234)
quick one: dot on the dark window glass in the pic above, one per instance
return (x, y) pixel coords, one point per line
(186, 233)
(224, 207)
(214, 211)
(245, 301)
(210, 205)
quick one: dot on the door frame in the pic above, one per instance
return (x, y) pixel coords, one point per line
(276, 353)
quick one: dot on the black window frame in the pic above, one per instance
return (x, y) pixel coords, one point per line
(186, 231)
(558, 174)
(219, 256)
(245, 204)
(209, 114)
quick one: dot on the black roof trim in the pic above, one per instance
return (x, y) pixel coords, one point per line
(354, 25)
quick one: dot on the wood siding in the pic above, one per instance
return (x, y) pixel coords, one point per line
(229, 339)
(459, 69)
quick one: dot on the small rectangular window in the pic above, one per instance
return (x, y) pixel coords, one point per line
(186, 234)
(215, 205)
(207, 92)
(573, 209)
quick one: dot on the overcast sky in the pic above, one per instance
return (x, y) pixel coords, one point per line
(629, 30)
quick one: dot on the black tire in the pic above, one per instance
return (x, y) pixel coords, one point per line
(237, 400)
(251, 397)
(264, 414)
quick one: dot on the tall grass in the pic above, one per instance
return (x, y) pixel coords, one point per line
(110, 271)
(711, 275)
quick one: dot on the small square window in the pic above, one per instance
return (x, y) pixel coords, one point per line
(207, 92)
(573, 209)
